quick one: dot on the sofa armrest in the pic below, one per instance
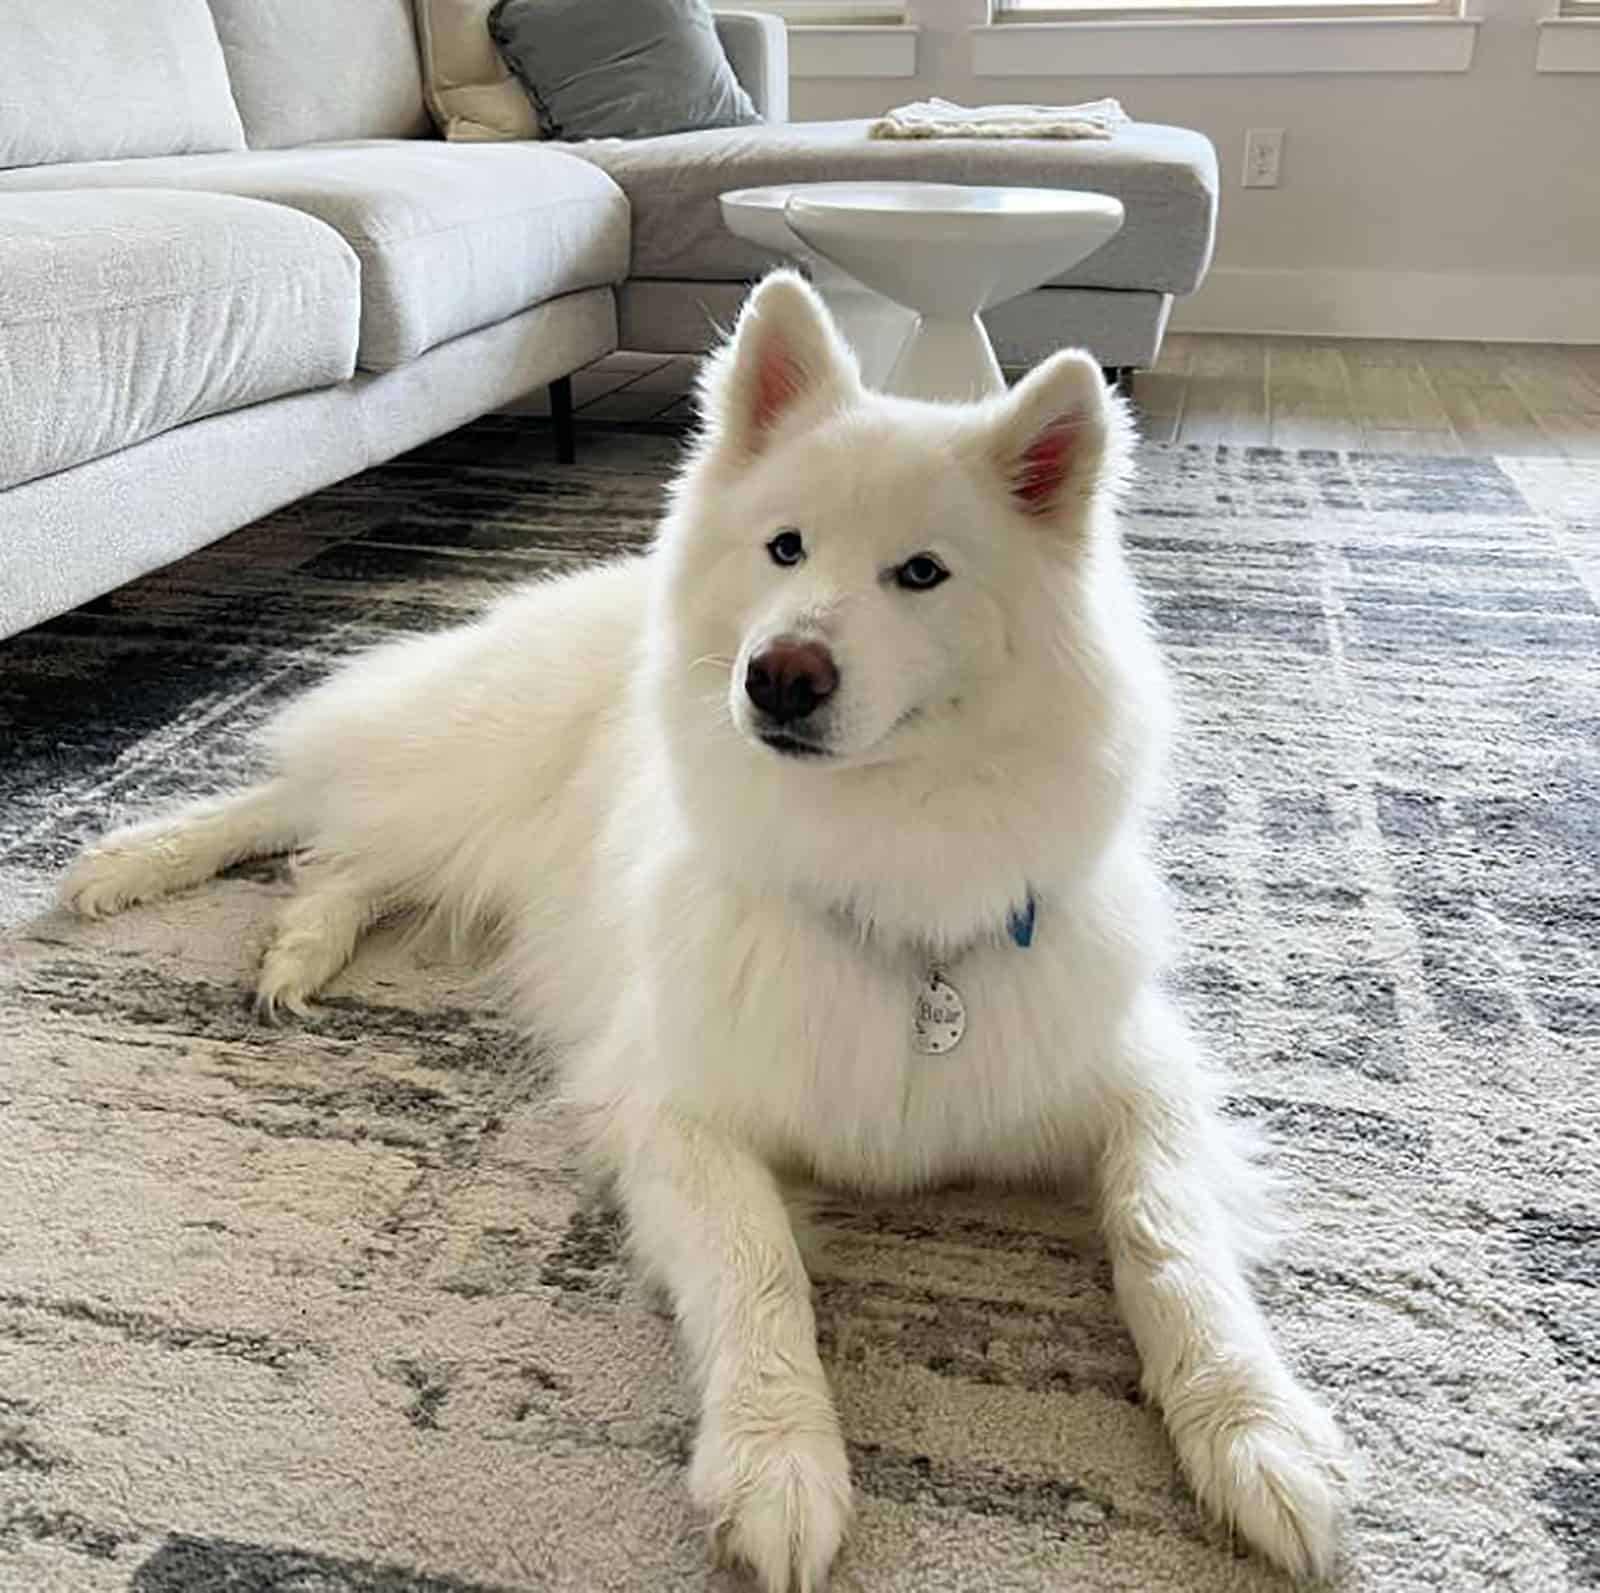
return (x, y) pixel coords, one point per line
(757, 45)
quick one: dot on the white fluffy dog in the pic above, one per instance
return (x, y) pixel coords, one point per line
(815, 837)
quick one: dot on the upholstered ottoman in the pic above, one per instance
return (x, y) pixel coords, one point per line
(688, 273)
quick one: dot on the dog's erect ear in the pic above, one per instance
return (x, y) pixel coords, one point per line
(1058, 437)
(784, 358)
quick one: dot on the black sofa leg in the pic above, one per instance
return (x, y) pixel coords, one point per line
(561, 416)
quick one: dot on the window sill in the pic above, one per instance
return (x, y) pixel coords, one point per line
(852, 49)
(1215, 47)
(1569, 44)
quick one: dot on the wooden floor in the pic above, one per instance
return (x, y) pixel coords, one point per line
(1398, 397)
(1395, 397)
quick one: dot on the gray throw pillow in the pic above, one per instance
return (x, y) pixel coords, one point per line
(620, 68)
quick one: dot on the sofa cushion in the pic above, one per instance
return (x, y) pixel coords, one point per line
(102, 79)
(123, 315)
(471, 93)
(1165, 176)
(620, 71)
(451, 237)
(308, 71)
(756, 44)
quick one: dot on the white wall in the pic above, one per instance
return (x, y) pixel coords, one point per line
(1455, 205)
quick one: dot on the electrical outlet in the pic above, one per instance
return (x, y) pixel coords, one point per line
(1263, 157)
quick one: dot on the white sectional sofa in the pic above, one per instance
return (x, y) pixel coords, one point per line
(237, 263)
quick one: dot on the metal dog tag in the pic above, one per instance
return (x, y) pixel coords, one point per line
(939, 1018)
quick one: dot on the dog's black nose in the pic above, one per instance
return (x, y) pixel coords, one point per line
(787, 679)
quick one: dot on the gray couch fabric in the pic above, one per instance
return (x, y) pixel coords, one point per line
(757, 46)
(450, 237)
(67, 537)
(126, 314)
(108, 80)
(309, 71)
(1165, 176)
(1122, 327)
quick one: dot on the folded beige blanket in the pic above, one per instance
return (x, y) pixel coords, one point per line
(942, 119)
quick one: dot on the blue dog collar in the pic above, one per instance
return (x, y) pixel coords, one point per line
(1019, 922)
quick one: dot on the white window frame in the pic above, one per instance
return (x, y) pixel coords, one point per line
(1222, 38)
(828, 13)
(1012, 13)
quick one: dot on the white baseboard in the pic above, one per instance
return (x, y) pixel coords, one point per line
(1492, 307)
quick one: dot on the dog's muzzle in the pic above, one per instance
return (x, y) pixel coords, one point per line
(787, 681)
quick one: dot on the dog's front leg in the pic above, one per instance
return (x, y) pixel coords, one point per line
(708, 1220)
(1260, 1451)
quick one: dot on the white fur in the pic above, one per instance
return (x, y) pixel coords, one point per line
(728, 939)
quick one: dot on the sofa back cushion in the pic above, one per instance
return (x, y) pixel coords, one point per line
(109, 79)
(470, 91)
(310, 71)
(632, 70)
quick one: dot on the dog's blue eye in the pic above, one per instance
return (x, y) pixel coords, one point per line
(788, 547)
(921, 574)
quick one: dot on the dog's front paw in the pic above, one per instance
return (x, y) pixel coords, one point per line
(296, 965)
(1270, 1463)
(108, 877)
(772, 1475)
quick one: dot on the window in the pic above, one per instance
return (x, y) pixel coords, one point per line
(1226, 38)
(1264, 10)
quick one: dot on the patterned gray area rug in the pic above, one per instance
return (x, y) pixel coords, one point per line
(326, 1308)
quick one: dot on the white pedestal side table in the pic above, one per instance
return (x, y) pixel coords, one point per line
(907, 268)
(875, 327)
